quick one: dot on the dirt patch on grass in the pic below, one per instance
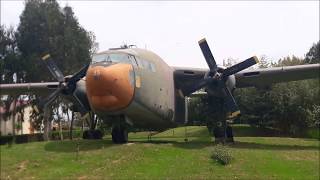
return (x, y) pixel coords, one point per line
(299, 157)
(22, 166)
(82, 177)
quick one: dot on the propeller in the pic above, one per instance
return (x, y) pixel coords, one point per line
(216, 79)
(67, 85)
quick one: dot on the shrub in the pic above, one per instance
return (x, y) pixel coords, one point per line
(222, 154)
(313, 133)
(55, 135)
(5, 139)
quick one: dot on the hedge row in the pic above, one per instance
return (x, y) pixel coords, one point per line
(25, 138)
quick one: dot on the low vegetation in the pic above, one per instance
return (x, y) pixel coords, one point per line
(165, 156)
(222, 154)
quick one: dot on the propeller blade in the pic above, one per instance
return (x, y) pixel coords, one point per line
(80, 74)
(231, 104)
(80, 107)
(53, 68)
(50, 98)
(81, 101)
(208, 55)
(240, 66)
(197, 86)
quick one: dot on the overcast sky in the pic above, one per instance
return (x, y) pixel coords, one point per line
(172, 29)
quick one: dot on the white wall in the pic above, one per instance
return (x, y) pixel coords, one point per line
(6, 124)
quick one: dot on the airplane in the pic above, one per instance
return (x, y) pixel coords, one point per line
(134, 87)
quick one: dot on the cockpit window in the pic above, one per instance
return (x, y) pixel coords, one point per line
(114, 58)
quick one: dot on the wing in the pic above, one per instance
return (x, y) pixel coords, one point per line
(185, 78)
(26, 88)
(268, 76)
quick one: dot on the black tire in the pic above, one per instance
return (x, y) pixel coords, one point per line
(85, 134)
(115, 134)
(92, 134)
(124, 136)
(119, 135)
(97, 134)
(229, 134)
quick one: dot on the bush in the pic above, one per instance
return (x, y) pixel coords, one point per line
(55, 135)
(313, 133)
(222, 154)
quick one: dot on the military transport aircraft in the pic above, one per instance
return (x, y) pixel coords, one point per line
(135, 87)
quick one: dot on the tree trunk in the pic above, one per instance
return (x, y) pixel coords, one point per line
(60, 129)
(46, 123)
(82, 125)
(71, 125)
(14, 117)
(68, 121)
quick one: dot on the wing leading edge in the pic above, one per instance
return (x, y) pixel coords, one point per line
(26, 88)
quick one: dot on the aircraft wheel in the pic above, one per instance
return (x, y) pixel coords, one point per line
(92, 134)
(124, 135)
(218, 135)
(229, 134)
(85, 134)
(119, 134)
(97, 134)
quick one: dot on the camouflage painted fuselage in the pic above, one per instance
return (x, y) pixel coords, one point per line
(153, 102)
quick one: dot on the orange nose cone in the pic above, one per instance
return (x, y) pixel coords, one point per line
(110, 88)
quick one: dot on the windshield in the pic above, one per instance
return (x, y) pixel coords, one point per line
(123, 58)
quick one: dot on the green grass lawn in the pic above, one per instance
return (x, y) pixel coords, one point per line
(166, 156)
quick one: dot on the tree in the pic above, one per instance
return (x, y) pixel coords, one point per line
(291, 107)
(46, 28)
(38, 33)
(10, 65)
(313, 55)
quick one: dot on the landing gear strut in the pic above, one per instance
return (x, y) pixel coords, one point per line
(119, 134)
(92, 133)
(223, 135)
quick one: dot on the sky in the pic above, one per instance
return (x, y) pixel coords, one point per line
(172, 29)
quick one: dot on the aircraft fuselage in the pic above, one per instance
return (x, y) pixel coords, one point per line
(134, 83)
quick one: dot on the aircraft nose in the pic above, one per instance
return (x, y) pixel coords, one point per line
(110, 88)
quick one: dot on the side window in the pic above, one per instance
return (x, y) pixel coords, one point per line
(139, 62)
(153, 67)
(133, 60)
(144, 64)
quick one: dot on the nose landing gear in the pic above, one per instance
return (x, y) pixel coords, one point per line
(92, 134)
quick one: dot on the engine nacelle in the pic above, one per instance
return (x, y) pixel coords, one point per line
(215, 90)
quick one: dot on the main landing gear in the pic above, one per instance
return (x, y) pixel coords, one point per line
(119, 134)
(223, 134)
(218, 127)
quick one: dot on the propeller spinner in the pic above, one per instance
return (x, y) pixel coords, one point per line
(218, 79)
